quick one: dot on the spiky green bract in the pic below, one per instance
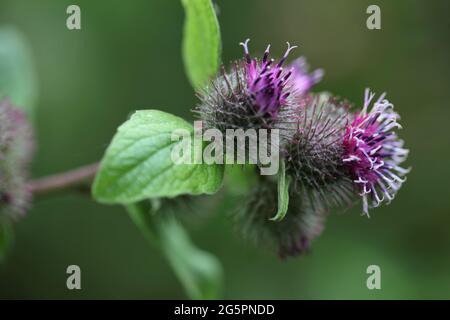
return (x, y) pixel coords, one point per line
(16, 148)
(312, 132)
(291, 236)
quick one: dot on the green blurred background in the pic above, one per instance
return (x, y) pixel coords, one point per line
(127, 56)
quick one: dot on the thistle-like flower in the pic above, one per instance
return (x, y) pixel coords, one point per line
(253, 93)
(373, 152)
(16, 146)
(312, 132)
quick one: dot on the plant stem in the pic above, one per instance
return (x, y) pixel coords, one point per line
(65, 180)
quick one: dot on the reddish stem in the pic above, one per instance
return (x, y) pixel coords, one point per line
(64, 180)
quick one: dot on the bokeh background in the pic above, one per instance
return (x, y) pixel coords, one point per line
(127, 57)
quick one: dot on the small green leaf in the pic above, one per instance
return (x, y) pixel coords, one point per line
(138, 163)
(17, 74)
(6, 239)
(283, 193)
(199, 272)
(201, 41)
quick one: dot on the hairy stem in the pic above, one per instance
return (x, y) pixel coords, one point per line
(62, 181)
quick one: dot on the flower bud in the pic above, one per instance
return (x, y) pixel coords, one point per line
(291, 236)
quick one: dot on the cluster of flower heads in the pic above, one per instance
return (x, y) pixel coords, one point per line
(16, 148)
(333, 155)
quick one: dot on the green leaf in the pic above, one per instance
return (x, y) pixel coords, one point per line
(283, 193)
(201, 42)
(6, 239)
(17, 73)
(138, 163)
(199, 272)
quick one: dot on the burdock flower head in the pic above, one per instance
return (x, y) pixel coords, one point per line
(253, 93)
(16, 145)
(291, 236)
(312, 132)
(373, 152)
